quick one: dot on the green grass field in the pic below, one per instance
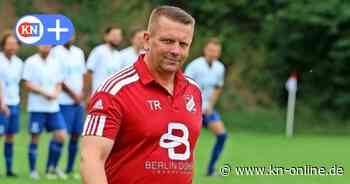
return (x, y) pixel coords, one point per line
(242, 149)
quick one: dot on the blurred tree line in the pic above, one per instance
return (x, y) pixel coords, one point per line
(263, 42)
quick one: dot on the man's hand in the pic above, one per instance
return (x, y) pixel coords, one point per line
(212, 101)
(4, 109)
(208, 110)
(78, 98)
(49, 96)
(54, 94)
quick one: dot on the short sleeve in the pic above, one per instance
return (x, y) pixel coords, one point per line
(92, 60)
(104, 116)
(190, 71)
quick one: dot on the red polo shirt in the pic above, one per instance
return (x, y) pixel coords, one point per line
(155, 133)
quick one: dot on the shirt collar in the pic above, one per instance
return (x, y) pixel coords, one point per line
(146, 77)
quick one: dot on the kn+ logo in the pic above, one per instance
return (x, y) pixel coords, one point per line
(44, 29)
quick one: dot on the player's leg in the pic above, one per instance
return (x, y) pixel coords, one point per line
(217, 127)
(76, 129)
(2, 124)
(57, 125)
(11, 130)
(36, 124)
(68, 113)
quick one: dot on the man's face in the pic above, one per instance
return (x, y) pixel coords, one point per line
(168, 44)
(114, 37)
(11, 46)
(212, 51)
(137, 39)
(71, 41)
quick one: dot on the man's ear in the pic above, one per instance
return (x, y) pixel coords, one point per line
(146, 38)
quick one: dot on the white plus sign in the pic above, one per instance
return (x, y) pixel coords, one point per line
(57, 29)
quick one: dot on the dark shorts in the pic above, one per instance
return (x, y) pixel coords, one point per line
(50, 121)
(215, 116)
(10, 125)
(74, 118)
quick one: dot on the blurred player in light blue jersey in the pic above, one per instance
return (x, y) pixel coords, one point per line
(209, 73)
(11, 68)
(104, 60)
(72, 61)
(130, 54)
(43, 80)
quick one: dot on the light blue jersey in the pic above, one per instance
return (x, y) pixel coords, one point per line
(103, 62)
(129, 56)
(45, 74)
(207, 77)
(72, 64)
(10, 75)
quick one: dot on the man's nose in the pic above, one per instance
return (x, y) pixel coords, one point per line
(176, 49)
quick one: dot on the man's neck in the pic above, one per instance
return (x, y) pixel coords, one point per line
(209, 61)
(136, 49)
(165, 79)
(67, 46)
(43, 56)
(110, 46)
(8, 56)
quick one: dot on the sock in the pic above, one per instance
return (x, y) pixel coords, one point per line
(32, 155)
(49, 163)
(72, 152)
(55, 148)
(220, 141)
(8, 156)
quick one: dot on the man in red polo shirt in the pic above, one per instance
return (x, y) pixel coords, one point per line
(143, 122)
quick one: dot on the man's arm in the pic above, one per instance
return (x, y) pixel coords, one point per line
(88, 76)
(37, 89)
(76, 97)
(94, 153)
(213, 99)
(3, 107)
(57, 90)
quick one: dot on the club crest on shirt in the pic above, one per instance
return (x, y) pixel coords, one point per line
(190, 104)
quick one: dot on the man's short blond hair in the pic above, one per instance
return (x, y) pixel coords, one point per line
(172, 13)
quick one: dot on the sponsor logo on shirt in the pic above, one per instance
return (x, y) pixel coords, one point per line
(98, 104)
(170, 141)
(172, 167)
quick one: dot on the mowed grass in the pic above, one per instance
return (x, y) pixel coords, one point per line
(254, 149)
(242, 149)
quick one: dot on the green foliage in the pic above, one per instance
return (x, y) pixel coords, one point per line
(263, 42)
(311, 37)
(23, 7)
